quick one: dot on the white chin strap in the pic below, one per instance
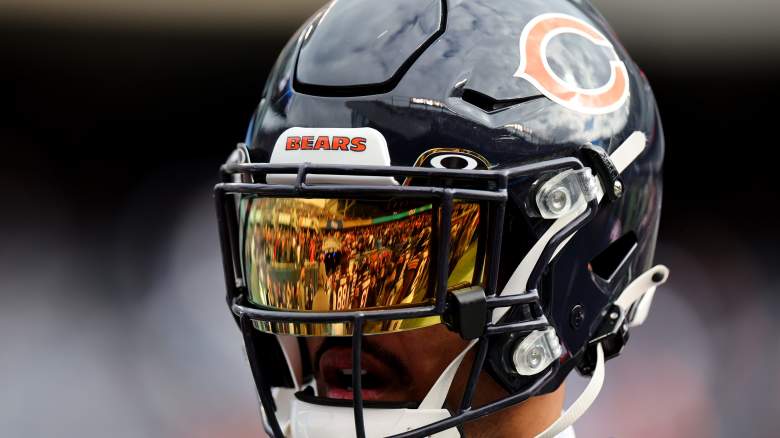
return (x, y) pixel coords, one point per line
(316, 421)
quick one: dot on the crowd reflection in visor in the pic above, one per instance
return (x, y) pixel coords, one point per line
(337, 255)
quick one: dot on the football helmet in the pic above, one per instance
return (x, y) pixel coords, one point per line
(490, 165)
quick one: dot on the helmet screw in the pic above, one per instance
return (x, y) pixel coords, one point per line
(617, 188)
(613, 316)
(535, 357)
(559, 200)
(577, 316)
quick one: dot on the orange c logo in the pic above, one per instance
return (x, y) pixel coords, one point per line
(535, 68)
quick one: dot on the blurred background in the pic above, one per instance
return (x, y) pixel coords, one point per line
(115, 116)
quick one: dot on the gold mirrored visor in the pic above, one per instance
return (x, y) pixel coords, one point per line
(327, 255)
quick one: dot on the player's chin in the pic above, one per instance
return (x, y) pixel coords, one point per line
(379, 382)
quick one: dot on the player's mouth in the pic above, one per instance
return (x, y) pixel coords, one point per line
(382, 375)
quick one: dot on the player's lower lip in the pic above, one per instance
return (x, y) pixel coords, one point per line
(347, 394)
(336, 372)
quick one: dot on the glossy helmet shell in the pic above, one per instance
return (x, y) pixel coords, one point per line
(432, 74)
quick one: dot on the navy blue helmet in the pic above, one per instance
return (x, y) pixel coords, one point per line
(492, 166)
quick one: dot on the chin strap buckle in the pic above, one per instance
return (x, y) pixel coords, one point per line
(612, 334)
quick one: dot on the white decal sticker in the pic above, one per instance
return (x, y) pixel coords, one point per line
(347, 146)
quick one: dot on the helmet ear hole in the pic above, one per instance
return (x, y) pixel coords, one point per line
(608, 262)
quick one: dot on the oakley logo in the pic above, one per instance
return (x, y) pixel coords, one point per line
(454, 161)
(535, 68)
(452, 158)
(323, 142)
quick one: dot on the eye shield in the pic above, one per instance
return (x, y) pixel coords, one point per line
(330, 255)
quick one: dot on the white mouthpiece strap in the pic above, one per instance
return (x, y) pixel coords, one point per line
(583, 402)
(438, 393)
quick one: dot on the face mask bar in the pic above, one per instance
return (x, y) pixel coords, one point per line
(494, 196)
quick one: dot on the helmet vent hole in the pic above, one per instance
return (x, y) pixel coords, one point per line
(490, 104)
(609, 261)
